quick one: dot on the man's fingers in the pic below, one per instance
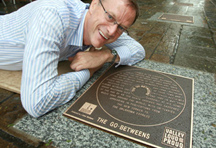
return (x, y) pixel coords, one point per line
(73, 66)
(77, 66)
(71, 59)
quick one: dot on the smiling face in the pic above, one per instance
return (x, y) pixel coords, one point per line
(97, 30)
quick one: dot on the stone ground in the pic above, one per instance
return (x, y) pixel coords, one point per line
(183, 44)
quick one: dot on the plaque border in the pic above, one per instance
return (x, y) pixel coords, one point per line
(97, 126)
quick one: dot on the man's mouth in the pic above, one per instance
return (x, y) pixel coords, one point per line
(101, 33)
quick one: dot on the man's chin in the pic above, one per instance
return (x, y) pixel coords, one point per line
(98, 45)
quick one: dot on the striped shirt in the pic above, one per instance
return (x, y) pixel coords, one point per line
(39, 35)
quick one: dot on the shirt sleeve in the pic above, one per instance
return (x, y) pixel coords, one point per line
(42, 89)
(128, 49)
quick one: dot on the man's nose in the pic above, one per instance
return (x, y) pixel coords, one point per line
(113, 29)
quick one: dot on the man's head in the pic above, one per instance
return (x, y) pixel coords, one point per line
(106, 20)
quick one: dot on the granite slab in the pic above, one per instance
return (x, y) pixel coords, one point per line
(65, 133)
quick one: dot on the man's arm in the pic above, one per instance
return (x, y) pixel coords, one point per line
(42, 89)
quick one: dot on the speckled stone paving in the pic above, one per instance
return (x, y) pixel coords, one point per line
(65, 133)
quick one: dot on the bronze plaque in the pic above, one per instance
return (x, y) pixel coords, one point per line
(177, 18)
(149, 107)
(184, 4)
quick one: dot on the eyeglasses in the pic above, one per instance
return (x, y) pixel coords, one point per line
(111, 19)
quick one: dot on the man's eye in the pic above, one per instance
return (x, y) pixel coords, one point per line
(121, 28)
(110, 17)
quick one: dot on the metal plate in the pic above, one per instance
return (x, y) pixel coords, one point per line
(177, 18)
(184, 4)
(146, 106)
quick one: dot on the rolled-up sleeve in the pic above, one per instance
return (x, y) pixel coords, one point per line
(129, 50)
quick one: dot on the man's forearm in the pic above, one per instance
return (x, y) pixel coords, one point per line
(39, 99)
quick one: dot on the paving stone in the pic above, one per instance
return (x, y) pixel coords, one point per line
(196, 9)
(168, 43)
(139, 29)
(196, 49)
(161, 58)
(212, 23)
(214, 37)
(143, 25)
(145, 15)
(196, 62)
(197, 41)
(165, 48)
(178, 10)
(149, 2)
(160, 28)
(11, 110)
(150, 40)
(136, 34)
(4, 94)
(145, 7)
(210, 12)
(149, 53)
(196, 31)
(6, 144)
(204, 52)
(193, 11)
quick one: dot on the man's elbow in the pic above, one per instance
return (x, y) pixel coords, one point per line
(31, 109)
(33, 112)
(142, 52)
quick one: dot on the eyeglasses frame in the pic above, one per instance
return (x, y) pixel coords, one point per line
(115, 22)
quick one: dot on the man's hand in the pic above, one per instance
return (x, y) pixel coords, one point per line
(93, 70)
(90, 60)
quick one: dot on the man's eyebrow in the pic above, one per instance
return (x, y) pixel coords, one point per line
(114, 16)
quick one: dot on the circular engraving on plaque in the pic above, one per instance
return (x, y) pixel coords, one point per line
(141, 98)
(140, 90)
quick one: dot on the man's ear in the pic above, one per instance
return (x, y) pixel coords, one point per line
(93, 5)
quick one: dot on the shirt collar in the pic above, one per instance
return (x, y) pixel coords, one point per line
(79, 33)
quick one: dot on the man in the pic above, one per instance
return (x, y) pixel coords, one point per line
(39, 35)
